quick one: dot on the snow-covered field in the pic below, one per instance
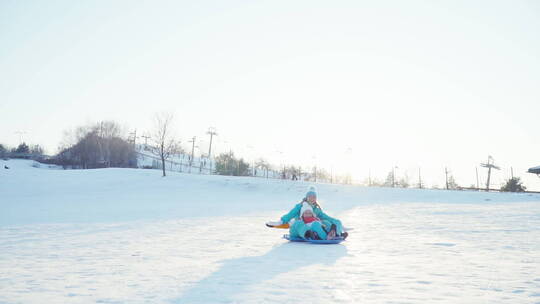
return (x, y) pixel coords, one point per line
(131, 236)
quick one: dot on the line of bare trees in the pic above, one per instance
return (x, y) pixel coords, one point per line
(23, 150)
(105, 144)
(99, 145)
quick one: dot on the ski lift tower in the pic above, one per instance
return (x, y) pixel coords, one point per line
(490, 165)
(535, 170)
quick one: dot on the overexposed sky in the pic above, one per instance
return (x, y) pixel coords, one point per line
(356, 86)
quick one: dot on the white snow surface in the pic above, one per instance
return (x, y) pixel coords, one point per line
(131, 236)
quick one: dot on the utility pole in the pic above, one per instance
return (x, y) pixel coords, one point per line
(490, 165)
(512, 172)
(146, 137)
(134, 133)
(420, 179)
(446, 173)
(192, 152)
(369, 177)
(212, 132)
(477, 183)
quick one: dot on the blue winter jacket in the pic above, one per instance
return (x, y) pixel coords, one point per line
(295, 213)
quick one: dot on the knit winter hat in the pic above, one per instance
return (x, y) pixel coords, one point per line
(306, 207)
(311, 191)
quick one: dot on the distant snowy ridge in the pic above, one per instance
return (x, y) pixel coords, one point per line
(129, 194)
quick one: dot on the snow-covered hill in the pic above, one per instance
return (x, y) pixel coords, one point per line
(131, 236)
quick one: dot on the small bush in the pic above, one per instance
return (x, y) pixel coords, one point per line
(513, 185)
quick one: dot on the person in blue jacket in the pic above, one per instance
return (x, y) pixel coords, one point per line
(318, 225)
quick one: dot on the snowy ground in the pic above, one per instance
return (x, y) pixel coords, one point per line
(130, 236)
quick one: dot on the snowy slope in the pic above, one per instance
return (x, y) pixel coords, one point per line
(131, 236)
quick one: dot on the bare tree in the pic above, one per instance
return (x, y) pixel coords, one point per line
(404, 181)
(109, 132)
(164, 143)
(263, 165)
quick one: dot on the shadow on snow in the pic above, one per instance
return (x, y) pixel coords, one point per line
(236, 276)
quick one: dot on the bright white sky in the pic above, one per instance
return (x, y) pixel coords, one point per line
(373, 84)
